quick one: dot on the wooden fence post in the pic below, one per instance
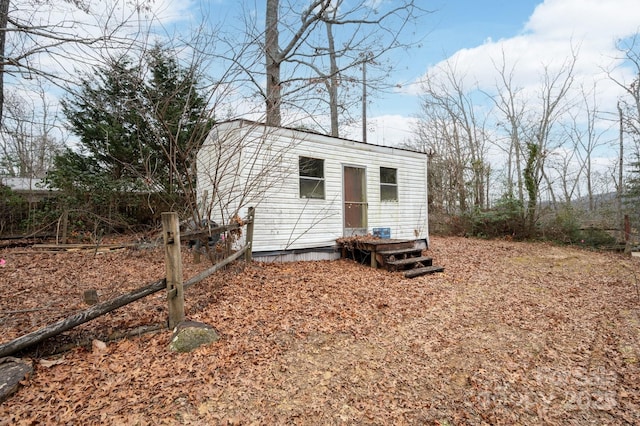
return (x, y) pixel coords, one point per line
(627, 235)
(627, 228)
(173, 262)
(196, 251)
(252, 216)
(65, 225)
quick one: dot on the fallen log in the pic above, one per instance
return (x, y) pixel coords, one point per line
(68, 323)
(116, 335)
(78, 247)
(9, 241)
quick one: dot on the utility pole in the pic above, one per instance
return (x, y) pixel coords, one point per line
(364, 100)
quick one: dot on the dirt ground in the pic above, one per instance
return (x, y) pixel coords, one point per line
(510, 333)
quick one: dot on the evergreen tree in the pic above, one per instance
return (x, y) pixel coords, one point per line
(139, 129)
(632, 189)
(180, 125)
(107, 114)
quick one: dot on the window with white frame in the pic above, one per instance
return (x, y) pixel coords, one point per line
(388, 184)
(311, 177)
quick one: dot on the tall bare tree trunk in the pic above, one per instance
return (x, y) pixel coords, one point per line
(333, 81)
(273, 60)
(364, 101)
(620, 174)
(4, 17)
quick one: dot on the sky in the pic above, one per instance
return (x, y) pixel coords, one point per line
(472, 34)
(453, 26)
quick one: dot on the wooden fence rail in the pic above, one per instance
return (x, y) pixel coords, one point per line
(75, 320)
(176, 305)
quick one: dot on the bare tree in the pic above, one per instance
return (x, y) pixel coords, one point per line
(585, 136)
(512, 106)
(277, 52)
(563, 163)
(629, 126)
(530, 126)
(357, 39)
(4, 18)
(313, 50)
(30, 136)
(449, 107)
(436, 137)
(630, 105)
(552, 96)
(40, 38)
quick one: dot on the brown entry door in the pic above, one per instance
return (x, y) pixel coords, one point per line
(355, 200)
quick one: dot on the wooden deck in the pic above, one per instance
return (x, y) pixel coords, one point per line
(392, 254)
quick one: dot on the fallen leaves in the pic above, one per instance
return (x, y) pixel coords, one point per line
(48, 363)
(529, 334)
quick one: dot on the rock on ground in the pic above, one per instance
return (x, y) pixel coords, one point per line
(189, 335)
(12, 372)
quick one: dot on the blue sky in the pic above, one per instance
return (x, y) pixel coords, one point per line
(472, 34)
(532, 34)
(454, 25)
(459, 24)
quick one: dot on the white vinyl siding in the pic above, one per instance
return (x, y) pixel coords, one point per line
(266, 175)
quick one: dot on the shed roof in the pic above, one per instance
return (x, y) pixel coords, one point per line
(243, 121)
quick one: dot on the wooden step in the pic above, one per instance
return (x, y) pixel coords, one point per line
(385, 245)
(396, 264)
(423, 271)
(410, 252)
(410, 261)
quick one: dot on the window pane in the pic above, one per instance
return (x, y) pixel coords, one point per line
(311, 167)
(389, 192)
(354, 184)
(387, 175)
(355, 215)
(311, 188)
(311, 177)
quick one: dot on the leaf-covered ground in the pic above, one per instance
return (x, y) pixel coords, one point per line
(511, 333)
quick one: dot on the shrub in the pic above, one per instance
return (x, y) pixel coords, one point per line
(506, 219)
(563, 226)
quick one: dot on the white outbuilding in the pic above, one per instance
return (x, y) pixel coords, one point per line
(310, 189)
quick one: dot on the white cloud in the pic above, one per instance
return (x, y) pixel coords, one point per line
(168, 11)
(387, 130)
(555, 30)
(597, 20)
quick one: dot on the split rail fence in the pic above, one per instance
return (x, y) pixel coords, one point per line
(172, 283)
